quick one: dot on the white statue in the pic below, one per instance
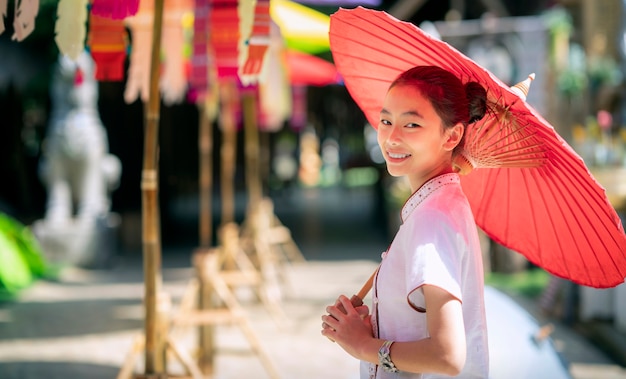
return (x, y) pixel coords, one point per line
(77, 169)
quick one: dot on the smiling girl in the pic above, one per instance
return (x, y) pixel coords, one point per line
(428, 314)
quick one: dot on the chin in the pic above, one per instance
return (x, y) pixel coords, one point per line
(395, 173)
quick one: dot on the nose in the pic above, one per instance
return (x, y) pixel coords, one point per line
(394, 135)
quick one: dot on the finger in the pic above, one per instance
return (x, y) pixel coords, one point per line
(335, 311)
(363, 310)
(328, 333)
(347, 305)
(330, 321)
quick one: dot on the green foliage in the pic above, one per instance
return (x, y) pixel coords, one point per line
(529, 283)
(21, 261)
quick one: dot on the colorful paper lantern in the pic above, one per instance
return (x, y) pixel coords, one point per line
(107, 41)
(177, 17)
(255, 38)
(70, 27)
(138, 80)
(224, 37)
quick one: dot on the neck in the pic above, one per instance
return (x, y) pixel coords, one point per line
(417, 183)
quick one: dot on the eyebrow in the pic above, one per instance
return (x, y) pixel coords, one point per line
(409, 113)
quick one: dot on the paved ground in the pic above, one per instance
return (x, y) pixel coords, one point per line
(84, 325)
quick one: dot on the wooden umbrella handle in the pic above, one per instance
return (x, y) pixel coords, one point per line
(357, 300)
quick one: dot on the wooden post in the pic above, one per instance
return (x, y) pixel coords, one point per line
(228, 150)
(206, 338)
(251, 132)
(205, 144)
(151, 238)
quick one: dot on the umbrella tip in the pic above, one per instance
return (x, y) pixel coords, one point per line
(522, 88)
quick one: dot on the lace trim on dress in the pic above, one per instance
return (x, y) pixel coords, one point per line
(426, 190)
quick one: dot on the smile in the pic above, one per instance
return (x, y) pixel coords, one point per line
(398, 156)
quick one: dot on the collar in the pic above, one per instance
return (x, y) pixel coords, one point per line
(426, 190)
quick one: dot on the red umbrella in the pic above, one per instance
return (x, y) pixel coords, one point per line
(310, 70)
(528, 189)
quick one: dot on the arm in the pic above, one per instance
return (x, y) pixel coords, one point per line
(443, 352)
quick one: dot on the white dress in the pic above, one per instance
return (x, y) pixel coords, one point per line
(437, 244)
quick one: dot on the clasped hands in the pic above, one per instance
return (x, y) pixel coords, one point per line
(346, 320)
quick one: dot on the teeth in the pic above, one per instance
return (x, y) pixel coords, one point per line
(398, 156)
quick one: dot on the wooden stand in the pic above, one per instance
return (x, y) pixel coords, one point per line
(270, 245)
(225, 308)
(238, 270)
(219, 307)
(169, 346)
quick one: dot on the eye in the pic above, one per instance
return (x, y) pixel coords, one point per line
(384, 122)
(412, 125)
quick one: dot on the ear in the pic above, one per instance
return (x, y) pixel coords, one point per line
(454, 136)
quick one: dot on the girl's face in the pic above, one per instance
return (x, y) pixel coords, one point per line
(412, 137)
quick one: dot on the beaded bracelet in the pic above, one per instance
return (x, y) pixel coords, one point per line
(385, 359)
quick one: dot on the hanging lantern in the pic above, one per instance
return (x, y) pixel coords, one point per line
(25, 13)
(200, 57)
(115, 9)
(177, 16)
(224, 37)
(203, 88)
(138, 81)
(70, 27)
(275, 97)
(107, 42)
(255, 40)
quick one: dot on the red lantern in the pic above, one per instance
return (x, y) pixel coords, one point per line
(107, 42)
(224, 22)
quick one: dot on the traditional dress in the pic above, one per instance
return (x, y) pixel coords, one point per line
(437, 244)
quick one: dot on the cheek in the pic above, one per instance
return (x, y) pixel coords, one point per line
(380, 137)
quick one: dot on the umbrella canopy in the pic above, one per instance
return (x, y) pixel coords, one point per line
(528, 189)
(310, 70)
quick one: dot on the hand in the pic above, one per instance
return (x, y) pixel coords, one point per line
(347, 325)
(356, 302)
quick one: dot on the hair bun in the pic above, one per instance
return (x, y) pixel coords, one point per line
(476, 100)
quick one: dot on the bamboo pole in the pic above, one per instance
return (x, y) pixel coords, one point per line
(206, 179)
(151, 238)
(228, 94)
(206, 335)
(252, 145)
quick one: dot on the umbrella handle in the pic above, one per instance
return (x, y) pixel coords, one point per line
(357, 300)
(364, 290)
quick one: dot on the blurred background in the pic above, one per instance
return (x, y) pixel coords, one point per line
(318, 148)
